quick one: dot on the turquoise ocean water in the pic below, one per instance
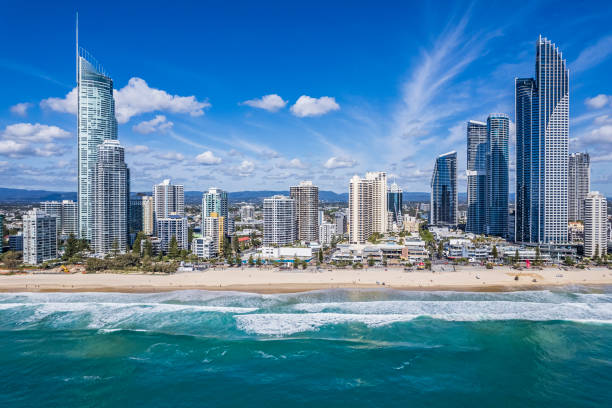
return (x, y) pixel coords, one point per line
(334, 348)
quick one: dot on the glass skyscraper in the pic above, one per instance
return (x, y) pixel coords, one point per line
(542, 134)
(498, 125)
(444, 191)
(95, 123)
(394, 204)
(476, 176)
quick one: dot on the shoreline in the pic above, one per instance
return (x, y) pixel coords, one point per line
(269, 281)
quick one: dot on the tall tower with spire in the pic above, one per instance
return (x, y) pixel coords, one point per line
(95, 123)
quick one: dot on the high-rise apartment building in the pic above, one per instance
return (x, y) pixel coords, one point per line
(579, 184)
(95, 123)
(542, 141)
(110, 204)
(173, 226)
(443, 209)
(498, 128)
(394, 205)
(327, 231)
(280, 221)
(168, 199)
(476, 177)
(215, 201)
(66, 212)
(368, 206)
(247, 212)
(214, 227)
(595, 225)
(306, 197)
(135, 217)
(148, 222)
(340, 221)
(39, 237)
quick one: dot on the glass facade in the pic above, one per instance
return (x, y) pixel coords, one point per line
(444, 191)
(542, 121)
(95, 123)
(498, 126)
(394, 204)
(476, 176)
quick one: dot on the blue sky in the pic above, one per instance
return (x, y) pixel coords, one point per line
(261, 95)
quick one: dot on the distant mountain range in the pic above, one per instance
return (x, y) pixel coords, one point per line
(20, 196)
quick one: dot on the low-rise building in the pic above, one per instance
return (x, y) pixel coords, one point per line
(16, 242)
(39, 237)
(327, 231)
(414, 251)
(204, 248)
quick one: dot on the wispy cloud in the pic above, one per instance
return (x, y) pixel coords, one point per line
(271, 103)
(593, 55)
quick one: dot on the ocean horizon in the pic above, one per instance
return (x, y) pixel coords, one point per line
(361, 348)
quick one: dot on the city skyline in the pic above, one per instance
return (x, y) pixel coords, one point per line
(193, 125)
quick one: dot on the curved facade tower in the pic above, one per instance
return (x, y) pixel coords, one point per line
(95, 123)
(542, 122)
(444, 191)
(476, 176)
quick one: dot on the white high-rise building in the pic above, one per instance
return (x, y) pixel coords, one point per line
(213, 227)
(148, 223)
(368, 206)
(247, 212)
(173, 226)
(111, 193)
(327, 231)
(39, 237)
(95, 123)
(578, 184)
(168, 199)
(204, 248)
(595, 225)
(66, 212)
(280, 221)
(306, 197)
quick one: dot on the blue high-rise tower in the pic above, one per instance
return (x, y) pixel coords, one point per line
(542, 145)
(498, 125)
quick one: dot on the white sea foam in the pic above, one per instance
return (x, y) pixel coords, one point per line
(286, 323)
(471, 310)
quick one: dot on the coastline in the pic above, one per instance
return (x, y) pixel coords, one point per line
(269, 280)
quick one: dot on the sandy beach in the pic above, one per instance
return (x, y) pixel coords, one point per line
(271, 280)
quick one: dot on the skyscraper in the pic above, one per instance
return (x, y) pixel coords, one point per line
(168, 199)
(542, 134)
(595, 225)
(394, 205)
(39, 237)
(579, 184)
(368, 206)
(135, 217)
(443, 209)
(214, 227)
(215, 201)
(111, 193)
(476, 176)
(498, 125)
(95, 123)
(148, 223)
(306, 198)
(66, 212)
(280, 221)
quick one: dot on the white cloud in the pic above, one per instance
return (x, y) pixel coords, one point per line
(307, 106)
(137, 98)
(158, 124)
(134, 99)
(16, 149)
(137, 149)
(171, 156)
(246, 168)
(271, 103)
(67, 104)
(297, 163)
(339, 163)
(21, 109)
(208, 158)
(597, 102)
(27, 132)
(593, 55)
(602, 134)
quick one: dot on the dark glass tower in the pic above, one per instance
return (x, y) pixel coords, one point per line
(444, 191)
(498, 125)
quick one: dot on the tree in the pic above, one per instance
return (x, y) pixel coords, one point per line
(440, 249)
(115, 247)
(137, 247)
(517, 258)
(537, 255)
(11, 259)
(173, 249)
(148, 248)
(296, 263)
(370, 261)
(236, 245)
(227, 249)
(251, 261)
(494, 252)
(72, 248)
(384, 260)
(321, 255)
(258, 262)
(568, 261)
